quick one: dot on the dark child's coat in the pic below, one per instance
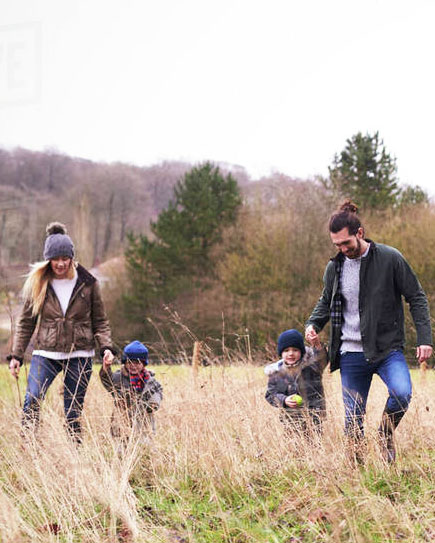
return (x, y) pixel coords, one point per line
(305, 379)
(133, 409)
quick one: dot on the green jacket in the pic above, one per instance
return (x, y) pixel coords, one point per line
(385, 277)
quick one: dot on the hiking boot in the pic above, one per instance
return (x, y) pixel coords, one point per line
(388, 449)
(356, 450)
(386, 429)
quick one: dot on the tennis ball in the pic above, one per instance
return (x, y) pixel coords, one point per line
(296, 398)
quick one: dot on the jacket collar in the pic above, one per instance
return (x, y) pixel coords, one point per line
(83, 276)
(339, 257)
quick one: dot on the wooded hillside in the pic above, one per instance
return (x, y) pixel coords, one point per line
(99, 202)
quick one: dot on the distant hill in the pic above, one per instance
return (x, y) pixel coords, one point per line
(98, 202)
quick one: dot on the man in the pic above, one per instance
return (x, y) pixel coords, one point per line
(362, 295)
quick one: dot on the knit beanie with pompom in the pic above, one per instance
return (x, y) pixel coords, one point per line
(57, 242)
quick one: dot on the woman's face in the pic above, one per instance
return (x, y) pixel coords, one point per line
(60, 266)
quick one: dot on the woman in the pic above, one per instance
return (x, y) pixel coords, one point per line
(64, 311)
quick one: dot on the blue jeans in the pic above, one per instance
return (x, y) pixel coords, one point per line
(77, 373)
(356, 377)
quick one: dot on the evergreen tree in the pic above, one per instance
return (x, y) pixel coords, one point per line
(204, 203)
(365, 172)
(413, 196)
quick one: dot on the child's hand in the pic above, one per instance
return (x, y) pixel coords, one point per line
(107, 359)
(316, 344)
(290, 403)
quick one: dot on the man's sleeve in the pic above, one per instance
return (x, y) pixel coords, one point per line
(415, 296)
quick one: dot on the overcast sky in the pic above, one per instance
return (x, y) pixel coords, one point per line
(273, 85)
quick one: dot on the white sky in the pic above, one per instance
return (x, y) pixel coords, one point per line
(268, 85)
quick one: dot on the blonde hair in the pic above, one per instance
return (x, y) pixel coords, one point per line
(35, 286)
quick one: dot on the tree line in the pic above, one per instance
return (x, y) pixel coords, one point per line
(248, 263)
(206, 252)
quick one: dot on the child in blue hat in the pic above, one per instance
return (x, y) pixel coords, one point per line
(295, 382)
(136, 392)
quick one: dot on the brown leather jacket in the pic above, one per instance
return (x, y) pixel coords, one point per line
(84, 323)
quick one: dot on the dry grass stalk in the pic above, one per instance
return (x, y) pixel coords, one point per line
(220, 436)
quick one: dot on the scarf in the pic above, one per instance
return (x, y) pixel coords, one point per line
(137, 382)
(337, 302)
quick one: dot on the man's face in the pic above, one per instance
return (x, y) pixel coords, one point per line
(348, 244)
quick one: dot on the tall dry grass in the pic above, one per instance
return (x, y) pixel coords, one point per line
(220, 468)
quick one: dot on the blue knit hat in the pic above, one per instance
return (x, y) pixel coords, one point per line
(135, 351)
(291, 338)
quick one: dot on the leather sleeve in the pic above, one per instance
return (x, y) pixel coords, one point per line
(25, 327)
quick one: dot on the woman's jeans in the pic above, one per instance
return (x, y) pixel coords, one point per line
(356, 377)
(77, 373)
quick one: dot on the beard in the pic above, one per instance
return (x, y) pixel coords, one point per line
(355, 253)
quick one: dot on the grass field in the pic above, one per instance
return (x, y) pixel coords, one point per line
(220, 469)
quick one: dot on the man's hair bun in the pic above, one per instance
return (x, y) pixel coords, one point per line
(55, 228)
(345, 217)
(349, 207)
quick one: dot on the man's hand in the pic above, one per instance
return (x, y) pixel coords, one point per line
(312, 337)
(424, 352)
(14, 367)
(107, 359)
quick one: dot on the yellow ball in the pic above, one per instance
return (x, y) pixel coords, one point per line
(296, 398)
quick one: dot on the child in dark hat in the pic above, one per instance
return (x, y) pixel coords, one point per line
(136, 392)
(295, 382)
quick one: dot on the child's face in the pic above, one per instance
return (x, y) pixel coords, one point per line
(291, 356)
(134, 367)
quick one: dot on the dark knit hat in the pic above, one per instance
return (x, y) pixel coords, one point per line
(135, 351)
(57, 242)
(291, 338)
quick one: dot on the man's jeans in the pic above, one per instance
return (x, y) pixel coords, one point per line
(356, 377)
(77, 373)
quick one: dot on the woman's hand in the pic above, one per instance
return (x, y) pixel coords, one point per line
(14, 367)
